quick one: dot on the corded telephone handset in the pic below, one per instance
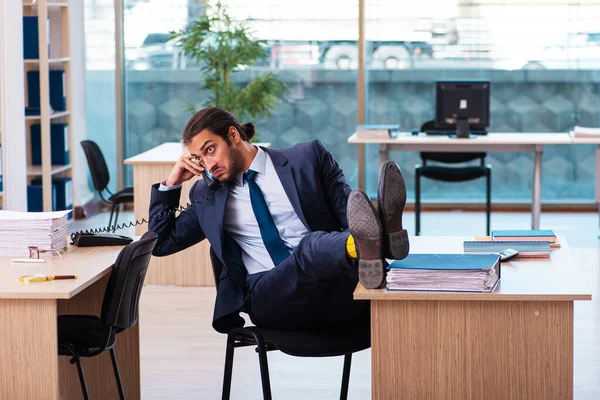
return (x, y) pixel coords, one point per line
(212, 182)
(104, 237)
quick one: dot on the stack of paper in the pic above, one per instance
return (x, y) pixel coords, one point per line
(445, 272)
(47, 230)
(583, 131)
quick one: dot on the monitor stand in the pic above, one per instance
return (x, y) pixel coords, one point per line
(462, 130)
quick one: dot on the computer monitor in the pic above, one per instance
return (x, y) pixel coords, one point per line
(462, 104)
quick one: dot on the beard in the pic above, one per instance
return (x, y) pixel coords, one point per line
(236, 163)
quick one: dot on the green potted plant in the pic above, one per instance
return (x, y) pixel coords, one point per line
(223, 47)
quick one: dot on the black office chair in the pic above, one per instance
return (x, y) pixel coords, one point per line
(100, 177)
(299, 344)
(90, 335)
(451, 174)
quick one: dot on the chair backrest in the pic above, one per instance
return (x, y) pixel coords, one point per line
(121, 299)
(97, 164)
(449, 158)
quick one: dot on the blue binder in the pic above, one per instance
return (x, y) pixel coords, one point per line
(446, 262)
(59, 144)
(35, 202)
(64, 190)
(58, 99)
(30, 38)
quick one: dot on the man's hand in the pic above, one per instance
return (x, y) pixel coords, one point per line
(185, 169)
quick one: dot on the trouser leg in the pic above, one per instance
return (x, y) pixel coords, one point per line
(311, 290)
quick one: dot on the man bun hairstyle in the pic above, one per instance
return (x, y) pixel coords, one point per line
(249, 130)
(218, 121)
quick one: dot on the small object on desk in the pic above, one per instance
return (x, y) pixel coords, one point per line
(28, 260)
(376, 131)
(414, 132)
(43, 278)
(100, 239)
(507, 254)
(543, 235)
(529, 249)
(583, 131)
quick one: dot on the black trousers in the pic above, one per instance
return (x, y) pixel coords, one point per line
(311, 290)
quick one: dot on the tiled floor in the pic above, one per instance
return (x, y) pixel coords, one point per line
(182, 356)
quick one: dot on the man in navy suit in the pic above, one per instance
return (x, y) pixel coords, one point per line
(281, 224)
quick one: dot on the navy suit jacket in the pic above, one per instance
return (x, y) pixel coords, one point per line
(315, 186)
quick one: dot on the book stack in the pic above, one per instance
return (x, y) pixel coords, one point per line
(526, 248)
(582, 131)
(376, 131)
(47, 230)
(445, 272)
(539, 235)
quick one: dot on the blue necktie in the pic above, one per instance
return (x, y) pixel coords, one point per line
(268, 230)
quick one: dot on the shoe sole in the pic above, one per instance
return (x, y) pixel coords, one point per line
(391, 200)
(366, 229)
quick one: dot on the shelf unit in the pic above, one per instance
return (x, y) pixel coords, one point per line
(53, 115)
(12, 104)
(1, 151)
(53, 47)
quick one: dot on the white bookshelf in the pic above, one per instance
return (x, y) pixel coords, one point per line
(50, 60)
(37, 3)
(36, 170)
(54, 115)
(53, 47)
(12, 104)
(64, 21)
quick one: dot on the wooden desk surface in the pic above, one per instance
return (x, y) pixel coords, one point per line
(558, 278)
(519, 138)
(166, 153)
(90, 264)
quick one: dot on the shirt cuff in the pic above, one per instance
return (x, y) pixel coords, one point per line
(163, 188)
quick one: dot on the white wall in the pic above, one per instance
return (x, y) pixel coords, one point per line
(12, 105)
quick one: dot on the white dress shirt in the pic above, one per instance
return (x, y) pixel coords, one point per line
(241, 223)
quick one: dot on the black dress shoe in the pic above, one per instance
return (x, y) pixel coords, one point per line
(391, 199)
(367, 231)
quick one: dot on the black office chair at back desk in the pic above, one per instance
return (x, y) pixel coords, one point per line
(299, 344)
(90, 335)
(451, 174)
(100, 177)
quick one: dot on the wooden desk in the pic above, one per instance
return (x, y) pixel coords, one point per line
(31, 367)
(514, 343)
(493, 142)
(190, 267)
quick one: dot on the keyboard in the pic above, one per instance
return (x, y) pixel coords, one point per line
(448, 133)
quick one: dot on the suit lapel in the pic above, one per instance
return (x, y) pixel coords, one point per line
(287, 181)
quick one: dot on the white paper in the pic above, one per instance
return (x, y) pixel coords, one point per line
(34, 216)
(582, 130)
(18, 230)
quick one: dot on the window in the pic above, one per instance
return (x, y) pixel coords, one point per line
(312, 52)
(538, 55)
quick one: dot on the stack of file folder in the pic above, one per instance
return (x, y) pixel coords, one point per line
(47, 230)
(445, 272)
(539, 235)
(526, 248)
